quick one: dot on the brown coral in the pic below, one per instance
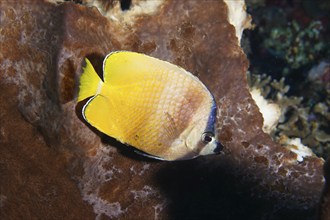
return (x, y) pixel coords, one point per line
(43, 141)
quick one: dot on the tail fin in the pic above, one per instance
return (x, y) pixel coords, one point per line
(89, 82)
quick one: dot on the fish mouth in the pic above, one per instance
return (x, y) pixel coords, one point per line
(218, 148)
(213, 147)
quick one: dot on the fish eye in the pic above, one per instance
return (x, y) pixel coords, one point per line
(207, 137)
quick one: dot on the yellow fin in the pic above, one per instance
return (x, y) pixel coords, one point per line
(98, 112)
(90, 82)
(125, 68)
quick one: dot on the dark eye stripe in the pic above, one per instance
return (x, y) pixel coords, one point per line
(212, 117)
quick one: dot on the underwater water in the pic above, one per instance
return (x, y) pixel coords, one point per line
(55, 166)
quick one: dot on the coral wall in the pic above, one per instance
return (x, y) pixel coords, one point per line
(53, 166)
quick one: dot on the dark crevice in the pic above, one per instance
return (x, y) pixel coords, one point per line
(125, 4)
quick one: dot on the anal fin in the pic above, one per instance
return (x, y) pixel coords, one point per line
(99, 112)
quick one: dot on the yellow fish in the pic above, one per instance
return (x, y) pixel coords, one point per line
(150, 104)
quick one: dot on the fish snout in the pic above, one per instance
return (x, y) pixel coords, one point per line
(218, 148)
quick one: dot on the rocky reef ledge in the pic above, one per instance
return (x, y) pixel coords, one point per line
(55, 167)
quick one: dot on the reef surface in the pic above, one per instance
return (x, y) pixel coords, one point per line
(53, 166)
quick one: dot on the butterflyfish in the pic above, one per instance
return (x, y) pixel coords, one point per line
(157, 107)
